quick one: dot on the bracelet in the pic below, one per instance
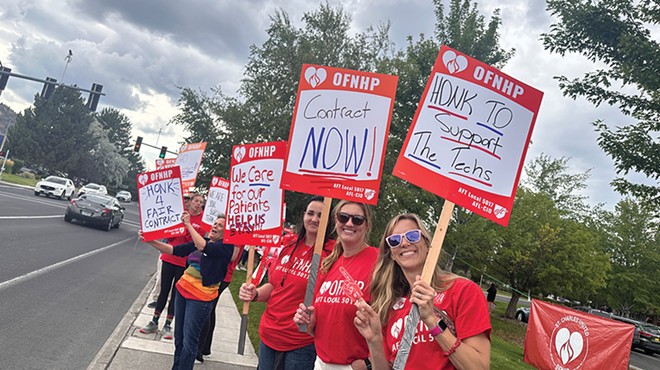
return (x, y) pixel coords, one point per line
(256, 296)
(453, 348)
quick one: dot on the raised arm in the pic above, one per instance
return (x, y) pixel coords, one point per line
(200, 242)
(163, 247)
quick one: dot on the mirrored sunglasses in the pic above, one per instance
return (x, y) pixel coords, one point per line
(412, 236)
(357, 219)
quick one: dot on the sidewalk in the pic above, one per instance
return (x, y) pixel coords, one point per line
(127, 348)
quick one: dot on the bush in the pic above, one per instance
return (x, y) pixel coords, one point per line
(28, 175)
(8, 166)
(18, 164)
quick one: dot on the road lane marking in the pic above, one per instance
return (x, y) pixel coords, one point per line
(24, 217)
(41, 271)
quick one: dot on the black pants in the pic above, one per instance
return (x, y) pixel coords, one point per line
(206, 337)
(169, 275)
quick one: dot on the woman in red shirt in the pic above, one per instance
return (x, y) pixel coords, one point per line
(454, 327)
(283, 346)
(344, 276)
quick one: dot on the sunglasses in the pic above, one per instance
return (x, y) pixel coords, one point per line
(357, 219)
(412, 236)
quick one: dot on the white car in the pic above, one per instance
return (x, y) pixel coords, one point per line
(93, 188)
(123, 196)
(55, 186)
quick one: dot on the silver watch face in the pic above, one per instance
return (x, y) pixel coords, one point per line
(442, 315)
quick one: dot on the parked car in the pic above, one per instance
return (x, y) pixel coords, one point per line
(93, 188)
(522, 314)
(123, 196)
(55, 186)
(635, 341)
(646, 336)
(99, 210)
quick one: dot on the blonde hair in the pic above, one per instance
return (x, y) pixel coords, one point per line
(339, 249)
(389, 283)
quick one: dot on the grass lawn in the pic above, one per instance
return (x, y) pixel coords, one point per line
(15, 179)
(507, 336)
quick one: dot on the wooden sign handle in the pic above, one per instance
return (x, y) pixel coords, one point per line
(436, 243)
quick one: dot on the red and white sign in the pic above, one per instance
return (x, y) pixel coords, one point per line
(160, 202)
(189, 159)
(165, 163)
(469, 136)
(339, 133)
(254, 209)
(562, 338)
(216, 200)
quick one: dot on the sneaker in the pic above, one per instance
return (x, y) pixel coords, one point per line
(151, 327)
(199, 359)
(152, 304)
(167, 332)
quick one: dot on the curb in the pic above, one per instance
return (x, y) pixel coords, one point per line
(104, 357)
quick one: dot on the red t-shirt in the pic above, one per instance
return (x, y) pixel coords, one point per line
(232, 266)
(464, 303)
(199, 226)
(335, 336)
(289, 276)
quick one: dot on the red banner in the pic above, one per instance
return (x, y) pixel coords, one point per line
(561, 338)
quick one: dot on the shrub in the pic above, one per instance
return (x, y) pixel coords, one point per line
(8, 166)
(28, 175)
(18, 164)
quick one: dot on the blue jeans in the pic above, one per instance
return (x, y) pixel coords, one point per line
(298, 359)
(190, 316)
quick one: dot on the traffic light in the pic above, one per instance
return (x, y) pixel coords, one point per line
(94, 96)
(49, 88)
(4, 77)
(138, 142)
(163, 150)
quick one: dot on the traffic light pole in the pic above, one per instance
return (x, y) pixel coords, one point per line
(94, 93)
(157, 147)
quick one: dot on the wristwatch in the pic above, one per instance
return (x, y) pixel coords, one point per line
(439, 328)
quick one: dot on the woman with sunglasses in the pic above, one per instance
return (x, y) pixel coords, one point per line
(344, 277)
(454, 328)
(283, 346)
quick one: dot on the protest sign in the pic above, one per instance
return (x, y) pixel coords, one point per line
(562, 338)
(216, 201)
(467, 144)
(469, 136)
(160, 202)
(165, 163)
(189, 159)
(254, 209)
(339, 133)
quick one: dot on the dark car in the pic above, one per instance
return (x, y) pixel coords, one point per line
(646, 336)
(522, 314)
(99, 210)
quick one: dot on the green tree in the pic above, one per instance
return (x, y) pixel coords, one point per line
(104, 163)
(58, 128)
(118, 127)
(633, 242)
(550, 176)
(618, 34)
(543, 253)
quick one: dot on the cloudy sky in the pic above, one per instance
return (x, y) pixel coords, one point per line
(142, 51)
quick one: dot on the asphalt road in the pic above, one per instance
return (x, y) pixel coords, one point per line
(64, 287)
